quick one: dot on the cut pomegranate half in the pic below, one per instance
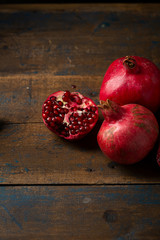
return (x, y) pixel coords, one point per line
(69, 114)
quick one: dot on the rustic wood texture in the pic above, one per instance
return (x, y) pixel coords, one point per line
(50, 47)
(88, 213)
(76, 39)
(31, 154)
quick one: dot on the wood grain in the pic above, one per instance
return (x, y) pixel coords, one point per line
(22, 96)
(31, 154)
(82, 213)
(75, 39)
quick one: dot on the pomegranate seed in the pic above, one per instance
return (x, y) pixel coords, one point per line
(90, 120)
(73, 132)
(85, 120)
(47, 112)
(60, 103)
(44, 115)
(58, 109)
(80, 118)
(71, 118)
(75, 114)
(48, 108)
(74, 109)
(55, 112)
(52, 124)
(58, 119)
(67, 105)
(80, 122)
(66, 128)
(89, 115)
(65, 110)
(53, 98)
(51, 114)
(86, 128)
(70, 126)
(49, 103)
(75, 127)
(74, 122)
(93, 109)
(49, 119)
(45, 104)
(67, 93)
(61, 115)
(94, 116)
(76, 98)
(61, 110)
(81, 128)
(55, 106)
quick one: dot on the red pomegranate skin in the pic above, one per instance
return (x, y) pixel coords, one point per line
(158, 155)
(128, 132)
(83, 106)
(132, 79)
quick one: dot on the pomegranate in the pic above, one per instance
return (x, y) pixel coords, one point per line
(128, 132)
(158, 155)
(132, 79)
(69, 115)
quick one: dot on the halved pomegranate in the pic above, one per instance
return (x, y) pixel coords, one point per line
(69, 114)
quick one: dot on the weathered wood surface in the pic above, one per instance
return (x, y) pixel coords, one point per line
(75, 39)
(82, 213)
(31, 154)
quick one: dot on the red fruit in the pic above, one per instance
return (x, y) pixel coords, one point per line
(128, 132)
(66, 115)
(158, 155)
(132, 80)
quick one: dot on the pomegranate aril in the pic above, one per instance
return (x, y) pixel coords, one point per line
(89, 115)
(80, 122)
(66, 128)
(93, 109)
(55, 106)
(52, 124)
(75, 114)
(51, 114)
(76, 99)
(90, 120)
(44, 115)
(60, 103)
(55, 112)
(53, 98)
(75, 127)
(61, 115)
(45, 104)
(48, 108)
(65, 110)
(49, 119)
(67, 105)
(47, 112)
(94, 116)
(58, 119)
(86, 128)
(67, 93)
(71, 118)
(49, 103)
(85, 120)
(73, 132)
(74, 122)
(81, 128)
(70, 126)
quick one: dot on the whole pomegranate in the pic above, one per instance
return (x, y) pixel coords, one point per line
(69, 115)
(132, 79)
(128, 132)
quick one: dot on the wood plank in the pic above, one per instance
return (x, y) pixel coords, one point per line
(82, 213)
(76, 40)
(22, 96)
(31, 154)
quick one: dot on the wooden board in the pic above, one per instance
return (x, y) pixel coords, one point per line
(75, 39)
(31, 154)
(82, 213)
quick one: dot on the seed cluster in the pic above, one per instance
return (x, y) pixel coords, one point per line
(79, 121)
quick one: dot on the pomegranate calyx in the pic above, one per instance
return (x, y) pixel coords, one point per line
(130, 64)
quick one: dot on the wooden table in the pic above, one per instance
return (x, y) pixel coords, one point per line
(52, 189)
